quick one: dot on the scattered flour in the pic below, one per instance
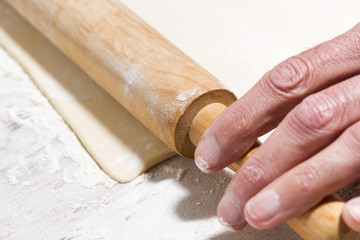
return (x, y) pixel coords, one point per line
(31, 135)
(53, 188)
(180, 172)
(165, 214)
(128, 161)
(185, 95)
(48, 175)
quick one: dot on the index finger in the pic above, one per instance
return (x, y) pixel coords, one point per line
(277, 92)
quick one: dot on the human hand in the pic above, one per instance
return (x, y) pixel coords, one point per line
(314, 101)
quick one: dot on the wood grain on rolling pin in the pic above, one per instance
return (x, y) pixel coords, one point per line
(154, 80)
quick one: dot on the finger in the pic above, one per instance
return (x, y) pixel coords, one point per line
(351, 214)
(314, 123)
(263, 107)
(306, 184)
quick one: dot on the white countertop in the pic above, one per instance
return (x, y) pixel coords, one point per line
(52, 189)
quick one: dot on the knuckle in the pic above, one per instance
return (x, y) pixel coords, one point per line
(291, 78)
(315, 113)
(307, 180)
(253, 172)
(238, 122)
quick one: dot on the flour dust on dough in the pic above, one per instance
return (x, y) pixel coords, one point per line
(119, 143)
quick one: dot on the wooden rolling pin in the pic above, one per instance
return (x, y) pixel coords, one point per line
(161, 86)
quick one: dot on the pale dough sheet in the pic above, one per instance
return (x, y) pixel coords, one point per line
(119, 143)
(53, 188)
(214, 39)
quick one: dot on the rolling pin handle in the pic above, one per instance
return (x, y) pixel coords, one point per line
(322, 222)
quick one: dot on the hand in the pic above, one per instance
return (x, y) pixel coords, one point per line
(314, 101)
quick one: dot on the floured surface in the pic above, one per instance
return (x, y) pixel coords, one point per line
(119, 143)
(27, 140)
(52, 189)
(55, 196)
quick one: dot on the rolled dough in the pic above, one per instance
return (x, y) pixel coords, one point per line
(238, 41)
(119, 143)
(247, 39)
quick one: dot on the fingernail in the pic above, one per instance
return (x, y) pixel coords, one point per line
(202, 164)
(208, 153)
(231, 211)
(264, 206)
(354, 209)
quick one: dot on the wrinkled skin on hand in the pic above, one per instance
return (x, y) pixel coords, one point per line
(314, 101)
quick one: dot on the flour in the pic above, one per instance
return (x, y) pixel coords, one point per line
(185, 95)
(50, 193)
(31, 127)
(180, 172)
(50, 181)
(128, 161)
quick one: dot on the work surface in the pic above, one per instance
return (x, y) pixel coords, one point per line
(52, 189)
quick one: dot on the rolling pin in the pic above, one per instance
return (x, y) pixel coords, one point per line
(161, 86)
